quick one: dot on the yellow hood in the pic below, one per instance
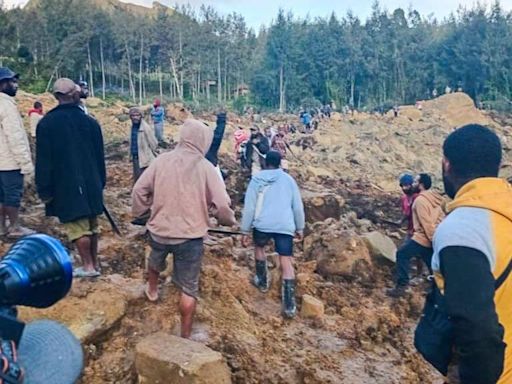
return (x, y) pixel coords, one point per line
(488, 192)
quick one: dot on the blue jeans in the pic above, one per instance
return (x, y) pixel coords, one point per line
(405, 253)
(159, 131)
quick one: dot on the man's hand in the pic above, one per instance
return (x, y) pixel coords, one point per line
(299, 235)
(246, 240)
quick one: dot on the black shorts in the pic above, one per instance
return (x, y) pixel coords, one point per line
(283, 243)
(11, 188)
(187, 261)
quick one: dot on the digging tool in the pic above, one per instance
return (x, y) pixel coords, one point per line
(113, 224)
(293, 154)
(391, 222)
(223, 231)
(143, 220)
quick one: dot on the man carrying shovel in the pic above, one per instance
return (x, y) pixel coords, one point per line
(178, 190)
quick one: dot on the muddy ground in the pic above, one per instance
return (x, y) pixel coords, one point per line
(364, 336)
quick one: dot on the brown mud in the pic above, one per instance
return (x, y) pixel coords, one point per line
(348, 174)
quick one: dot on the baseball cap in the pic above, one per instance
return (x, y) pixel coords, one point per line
(65, 86)
(49, 353)
(6, 74)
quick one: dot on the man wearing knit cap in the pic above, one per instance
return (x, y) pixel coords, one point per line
(143, 143)
(15, 158)
(178, 191)
(70, 172)
(406, 201)
(427, 213)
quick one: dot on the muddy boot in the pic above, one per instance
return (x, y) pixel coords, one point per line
(262, 278)
(289, 306)
(398, 292)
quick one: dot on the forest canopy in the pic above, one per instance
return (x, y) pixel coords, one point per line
(203, 56)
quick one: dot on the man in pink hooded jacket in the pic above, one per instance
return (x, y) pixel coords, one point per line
(179, 189)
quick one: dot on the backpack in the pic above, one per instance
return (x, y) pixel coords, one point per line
(433, 337)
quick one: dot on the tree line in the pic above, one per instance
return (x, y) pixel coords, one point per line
(202, 56)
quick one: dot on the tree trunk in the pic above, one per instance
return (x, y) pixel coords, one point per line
(226, 83)
(199, 82)
(91, 84)
(281, 90)
(176, 79)
(181, 68)
(352, 90)
(140, 67)
(130, 75)
(102, 69)
(160, 83)
(145, 79)
(219, 78)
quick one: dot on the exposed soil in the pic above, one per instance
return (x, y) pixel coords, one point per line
(364, 336)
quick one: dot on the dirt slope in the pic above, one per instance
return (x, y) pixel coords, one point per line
(348, 172)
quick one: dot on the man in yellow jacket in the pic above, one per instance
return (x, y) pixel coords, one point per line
(470, 317)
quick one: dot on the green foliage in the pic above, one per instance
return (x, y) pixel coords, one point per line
(238, 104)
(205, 58)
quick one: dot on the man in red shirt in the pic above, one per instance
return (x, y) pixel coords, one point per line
(406, 201)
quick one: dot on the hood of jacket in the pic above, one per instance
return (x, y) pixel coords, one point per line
(488, 192)
(434, 198)
(267, 176)
(196, 136)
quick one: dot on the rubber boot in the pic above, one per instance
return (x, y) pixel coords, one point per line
(399, 291)
(288, 299)
(262, 278)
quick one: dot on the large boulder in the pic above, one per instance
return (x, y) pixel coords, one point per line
(380, 245)
(162, 358)
(90, 311)
(345, 254)
(321, 206)
(311, 308)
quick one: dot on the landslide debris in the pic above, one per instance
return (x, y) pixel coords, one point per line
(348, 330)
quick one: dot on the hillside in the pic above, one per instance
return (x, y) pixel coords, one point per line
(112, 6)
(348, 175)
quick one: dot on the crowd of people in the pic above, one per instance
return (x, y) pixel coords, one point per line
(465, 244)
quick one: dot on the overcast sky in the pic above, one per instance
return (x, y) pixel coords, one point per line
(257, 12)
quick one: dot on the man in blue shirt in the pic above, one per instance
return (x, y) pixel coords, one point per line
(274, 211)
(158, 117)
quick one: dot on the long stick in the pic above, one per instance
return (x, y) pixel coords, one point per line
(111, 221)
(293, 154)
(224, 231)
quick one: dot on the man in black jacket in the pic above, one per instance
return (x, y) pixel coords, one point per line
(70, 172)
(218, 135)
(257, 148)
